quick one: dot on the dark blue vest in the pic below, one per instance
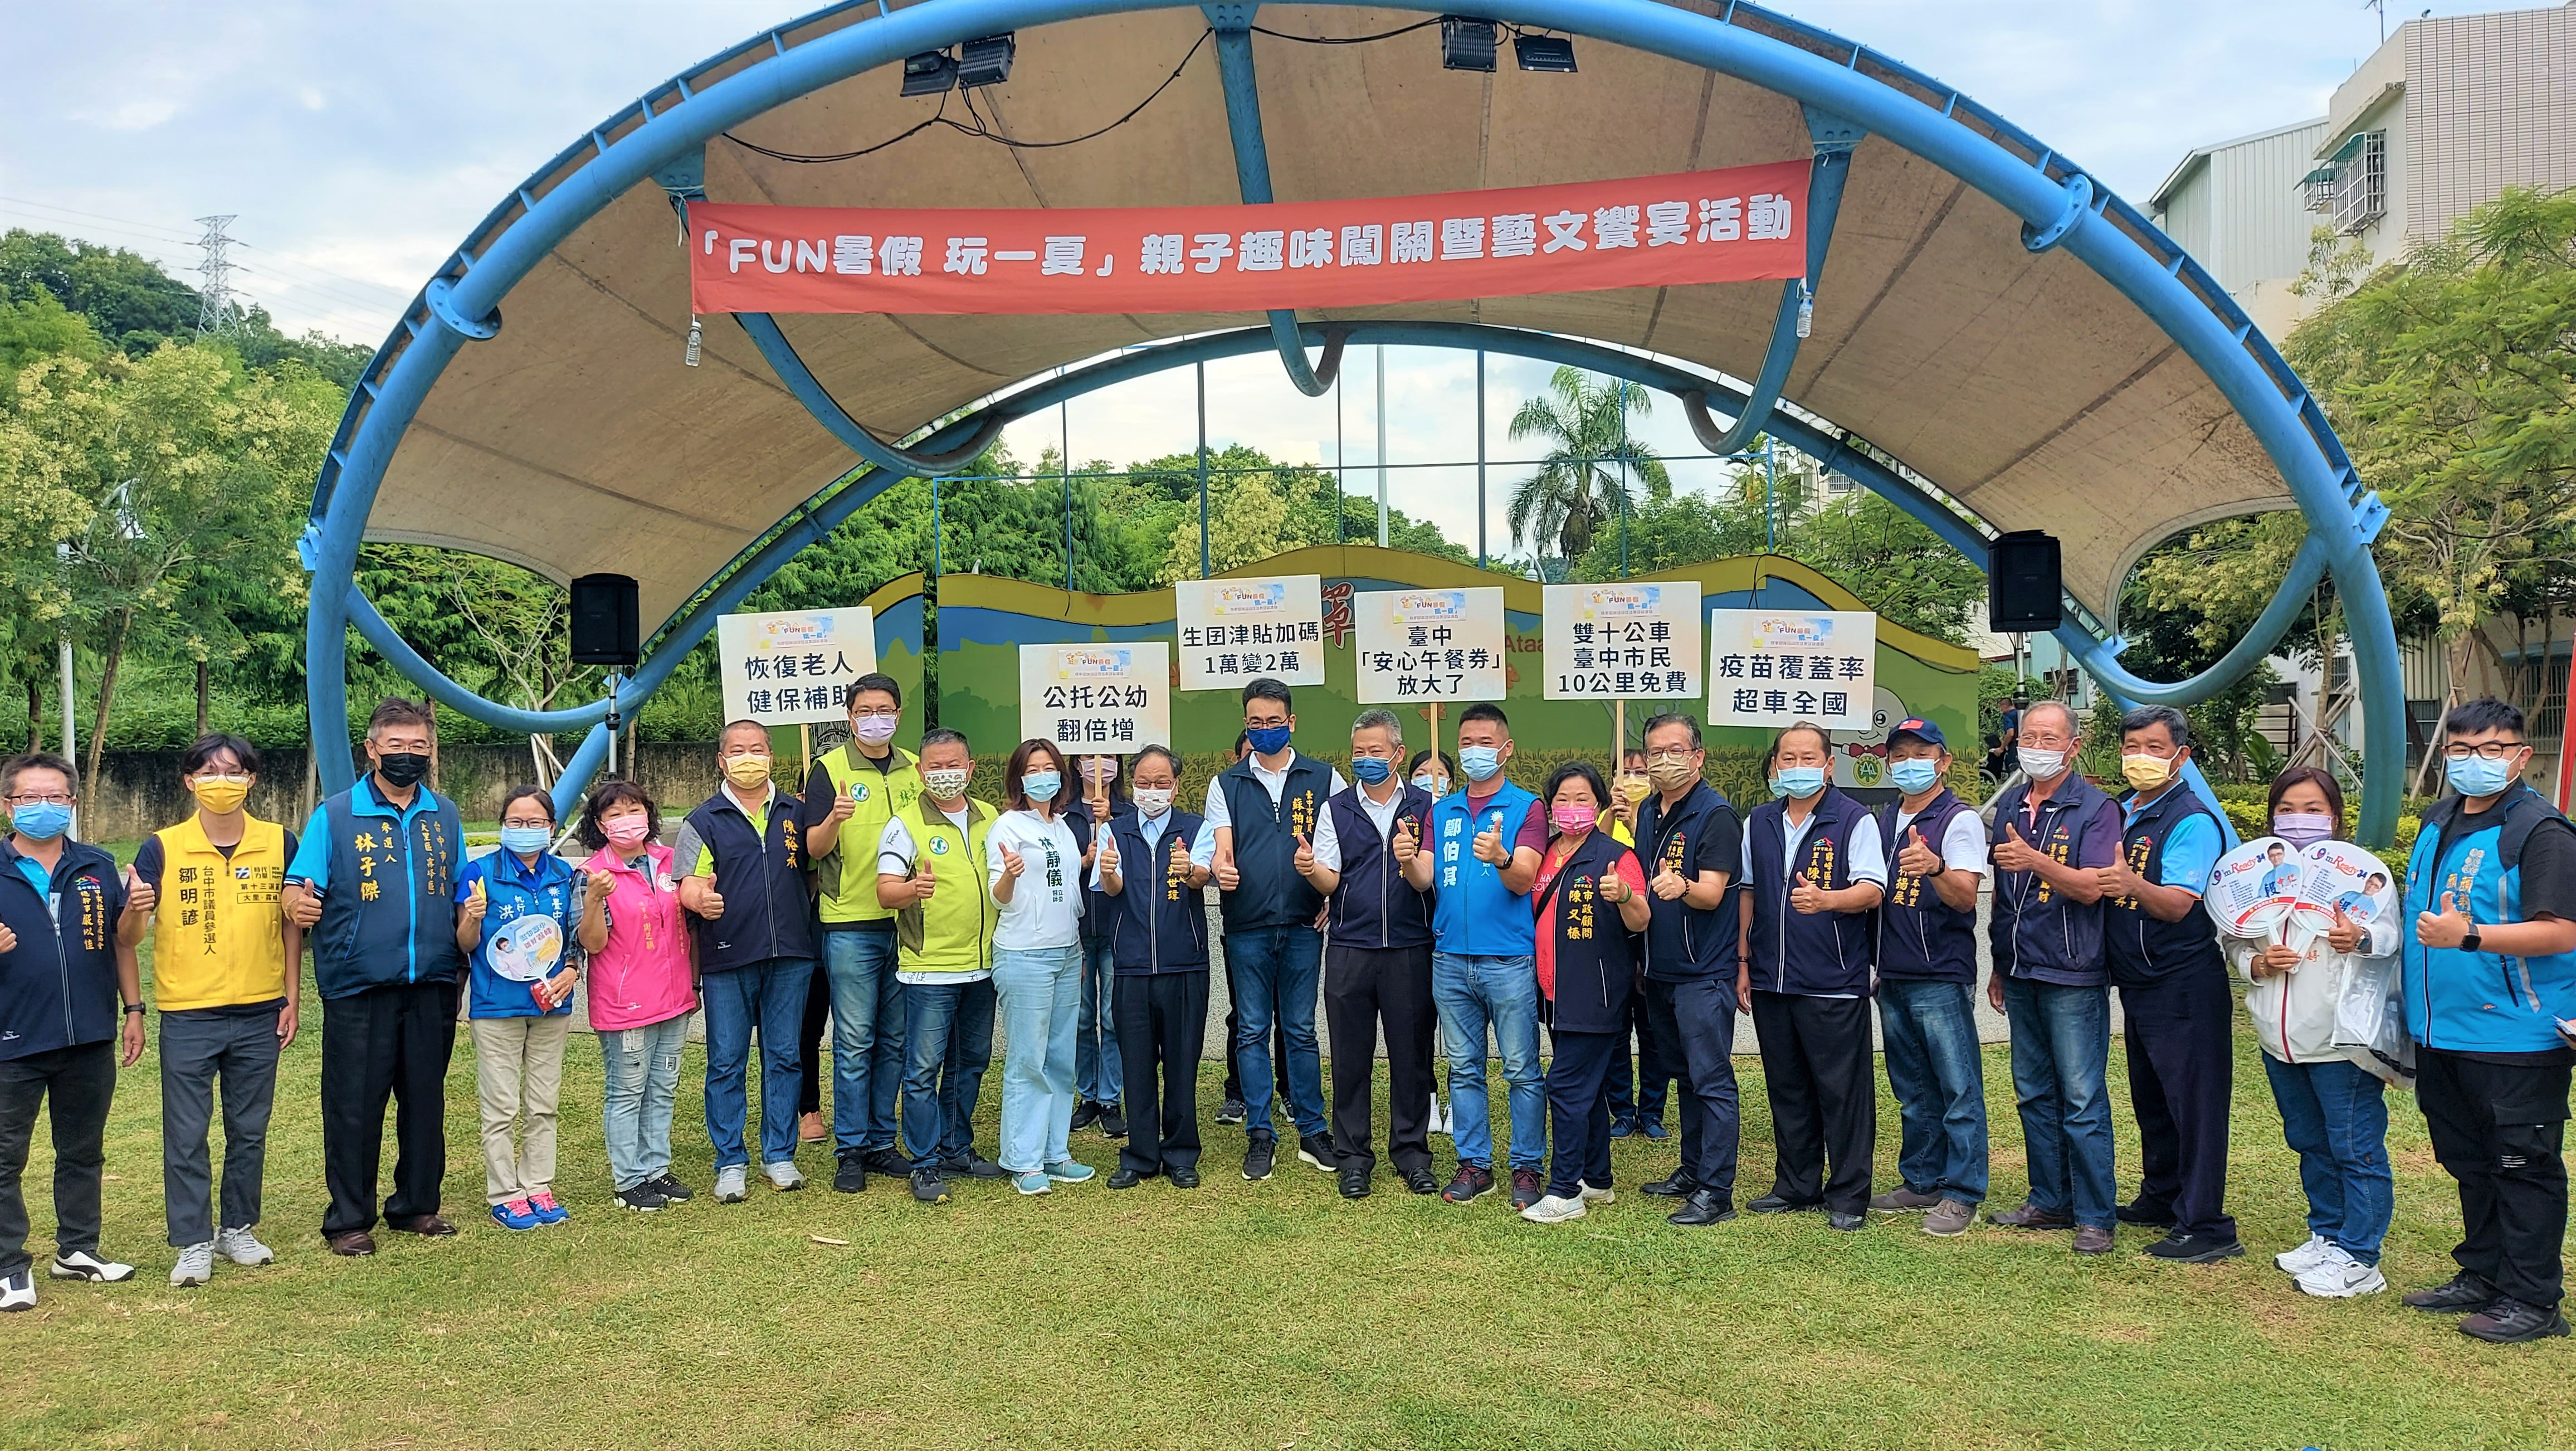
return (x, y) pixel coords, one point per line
(1794, 951)
(1919, 935)
(2484, 1001)
(1270, 893)
(58, 985)
(2140, 947)
(1374, 906)
(2036, 932)
(389, 908)
(768, 912)
(1596, 957)
(1685, 942)
(1155, 923)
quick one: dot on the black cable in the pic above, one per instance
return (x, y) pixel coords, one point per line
(1347, 39)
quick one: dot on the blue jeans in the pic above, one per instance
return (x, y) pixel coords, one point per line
(1279, 971)
(867, 1039)
(643, 1066)
(2334, 1115)
(768, 996)
(1098, 1076)
(1939, 1079)
(948, 1043)
(1473, 994)
(2061, 1050)
(1039, 989)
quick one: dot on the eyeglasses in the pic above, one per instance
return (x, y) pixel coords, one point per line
(52, 799)
(530, 824)
(866, 712)
(1662, 757)
(2491, 750)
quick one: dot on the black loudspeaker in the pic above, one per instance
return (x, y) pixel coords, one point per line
(2024, 589)
(604, 620)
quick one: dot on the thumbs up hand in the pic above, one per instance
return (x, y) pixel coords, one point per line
(2013, 854)
(1105, 855)
(1304, 860)
(2446, 928)
(140, 895)
(1180, 859)
(1012, 865)
(1806, 897)
(924, 882)
(1408, 839)
(1668, 885)
(1489, 843)
(476, 904)
(844, 805)
(1915, 858)
(303, 904)
(1227, 878)
(2345, 935)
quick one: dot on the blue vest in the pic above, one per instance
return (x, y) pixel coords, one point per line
(1596, 957)
(58, 985)
(1374, 906)
(2140, 947)
(389, 905)
(2035, 931)
(1270, 893)
(1919, 935)
(2480, 1002)
(1800, 952)
(768, 913)
(1471, 913)
(1155, 924)
(1684, 942)
(508, 895)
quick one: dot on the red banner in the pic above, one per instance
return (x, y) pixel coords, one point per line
(1738, 225)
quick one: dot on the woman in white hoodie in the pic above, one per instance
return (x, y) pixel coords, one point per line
(2330, 1096)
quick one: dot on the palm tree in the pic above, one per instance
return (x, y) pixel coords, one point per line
(1579, 482)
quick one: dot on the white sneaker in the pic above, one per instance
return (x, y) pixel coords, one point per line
(1599, 1196)
(82, 1265)
(196, 1264)
(2306, 1257)
(243, 1248)
(17, 1290)
(1439, 1116)
(1554, 1210)
(731, 1184)
(784, 1175)
(2340, 1277)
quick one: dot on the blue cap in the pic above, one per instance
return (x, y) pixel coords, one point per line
(1921, 729)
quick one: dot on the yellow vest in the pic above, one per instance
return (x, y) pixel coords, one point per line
(849, 876)
(216, 931)
(953, 931)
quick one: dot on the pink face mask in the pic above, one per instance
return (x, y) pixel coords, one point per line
(626, 833)
(1573, 817)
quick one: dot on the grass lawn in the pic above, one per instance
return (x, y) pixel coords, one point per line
(1267, 1315)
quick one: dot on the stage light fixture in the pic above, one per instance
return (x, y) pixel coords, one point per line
(1544, 53)
(930, 73)
(986, 62)
(1467, 44)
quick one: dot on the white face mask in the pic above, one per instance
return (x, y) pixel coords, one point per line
(1153, 801)
(2041, 765)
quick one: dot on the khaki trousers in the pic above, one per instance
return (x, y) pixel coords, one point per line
(518, 1070)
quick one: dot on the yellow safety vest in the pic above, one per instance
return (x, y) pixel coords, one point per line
(953, 931)
(216, 930)
(849, 876)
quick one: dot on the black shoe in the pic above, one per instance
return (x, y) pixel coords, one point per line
(1317, 1149)
(1113, 1121)
(2196, 1249)
(1621, 1128)
(1085, 1114)
(1258, 1158)
(2145, 1218)
(1355, 1183)
(889, 1163)
(851, 1175)
(1125, 1178)
(641, 1197)
(1231, 1111)
(1775, 1204)
(2510, 1322)
(2463, 1293)
(928, 1187)
(673, 1190)
(1680, 1186)
(1529, 1186)
(1703, 1206)
(1472, 1183)
(1421, 1181)
(1182, 1178)
(973, 1166)
(1836, 1219)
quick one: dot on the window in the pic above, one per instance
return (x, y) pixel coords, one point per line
(2353, 185)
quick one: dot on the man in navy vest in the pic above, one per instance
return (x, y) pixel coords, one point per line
(2489, 981)
(1927, 971)
(1377, 958)
(1262, 810)
(742, 856)
(2178, 1011)
(2051, 837)
(372, 884)
(1691, 844)
(1150, 871)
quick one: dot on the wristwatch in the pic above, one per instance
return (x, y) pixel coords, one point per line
(134, 1007)
(2470, 942)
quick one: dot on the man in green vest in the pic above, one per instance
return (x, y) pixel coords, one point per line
(855, 789)
(930, 876)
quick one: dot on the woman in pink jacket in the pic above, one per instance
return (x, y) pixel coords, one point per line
(643, 973)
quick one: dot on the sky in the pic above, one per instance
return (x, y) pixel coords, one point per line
(355, 144)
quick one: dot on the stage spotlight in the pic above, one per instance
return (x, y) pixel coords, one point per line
(986, 62)
(1544, 53)
(930, 73)
(1466, 44)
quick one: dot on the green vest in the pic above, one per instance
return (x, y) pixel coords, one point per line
(849, 876)
(953, 931)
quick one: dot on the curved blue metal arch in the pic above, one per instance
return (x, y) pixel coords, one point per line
(1818, 69)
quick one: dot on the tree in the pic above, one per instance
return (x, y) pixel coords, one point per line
(1579, 482)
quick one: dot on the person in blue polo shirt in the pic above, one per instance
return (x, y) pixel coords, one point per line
(371, 884)
(1691, 843)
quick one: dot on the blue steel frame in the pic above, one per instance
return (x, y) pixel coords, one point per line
(2059, 204)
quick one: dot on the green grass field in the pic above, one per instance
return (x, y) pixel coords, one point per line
(1267, 1315)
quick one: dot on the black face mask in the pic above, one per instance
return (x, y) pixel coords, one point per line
(402, 769)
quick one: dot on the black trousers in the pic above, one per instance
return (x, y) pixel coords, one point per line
(2181, 1074)
(1362, 988)
(76, 1084)
(1233, 1069)
(385, 1042)
(1161, 1023)
(1694, 1021)
(1824, 1097)
(818, 1006)
(1637, 1092)
(2497, 1128)
(1578, 1109)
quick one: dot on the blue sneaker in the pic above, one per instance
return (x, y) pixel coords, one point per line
(1032, 1183)
(546, 1209)
(517, 1214)
(1654, 1128)
(1069, 1172)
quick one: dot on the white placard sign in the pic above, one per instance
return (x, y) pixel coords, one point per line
(1236, 631)
(1774, 668)
(1428, 644)
(2338, 876)
(1107, 699)
(2251, 888)
(1608, 641)
(796, 666)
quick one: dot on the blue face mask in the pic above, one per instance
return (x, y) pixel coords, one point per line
(525, 840)
(41, 820)
(2472, 776)
(1041, 785)
(1372, 769)
(1479, 762)
(1798, 781)
(1914, 776)
(1267, 740)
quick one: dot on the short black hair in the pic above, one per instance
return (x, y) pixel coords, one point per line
(402, 710)
(210, 746)
(944, 736)
(526, 791)
(2176, 724)
(1266, 688)
(740, 725)
(1673, 717)
(1576, 771)
(1485, 710)
(875, 680)
(1163, 751)
(1448, 767)
(2486, 713)
(37, 761)
(616, 793)
(1824, 739)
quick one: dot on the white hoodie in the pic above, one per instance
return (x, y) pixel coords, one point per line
(2294, 1013)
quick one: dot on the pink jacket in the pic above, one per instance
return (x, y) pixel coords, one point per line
(633, 985)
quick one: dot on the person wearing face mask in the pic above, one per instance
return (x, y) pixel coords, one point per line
(2177, 1012)
(1033, 867)
(1813, 870)
(1431, 773)
(743, 858)
(2489, 981)
(1149, 867)
(854, 790)
(520, 908)
(1098, 1077)
(643, 987)
(1637, 1089)
(227, 967)
(2051, 836)
(371, 883)
(1377, 956)
(69, 924)
(1692, 846)
(928, 872)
